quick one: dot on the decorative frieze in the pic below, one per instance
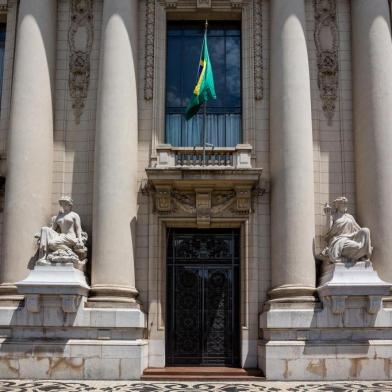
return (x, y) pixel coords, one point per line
(258, 49)
(80, 41)
(202, 203)
(149, 50)
(327, 41)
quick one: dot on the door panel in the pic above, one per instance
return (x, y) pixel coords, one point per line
(202, 297)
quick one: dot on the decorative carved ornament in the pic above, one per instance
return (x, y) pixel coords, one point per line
(170, 3)
(149, 50)
(4, 6)
(237, 3)
(327, 41)
(80, 41)
(203, 3)
(258, 48)
(203, 203)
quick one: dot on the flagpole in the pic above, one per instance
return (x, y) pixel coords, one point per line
(205, 115)
(204, 133)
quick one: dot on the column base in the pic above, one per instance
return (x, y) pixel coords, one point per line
(292, 293)
(9, 295)
(109, 296)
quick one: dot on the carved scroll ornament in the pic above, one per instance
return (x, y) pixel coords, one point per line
(327, 41)
(80, 41)
(258, 49)
(149, 50)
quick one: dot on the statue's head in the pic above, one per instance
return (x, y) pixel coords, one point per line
(340, 204)
(66, 203)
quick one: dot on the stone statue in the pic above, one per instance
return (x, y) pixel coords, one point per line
(64, 242)
(346, 240)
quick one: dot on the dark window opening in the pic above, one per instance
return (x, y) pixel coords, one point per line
(184, 40)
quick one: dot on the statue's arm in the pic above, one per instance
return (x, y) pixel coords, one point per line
(329, 216)
(54, 225)
(78, 227)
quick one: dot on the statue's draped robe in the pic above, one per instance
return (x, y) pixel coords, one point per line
(52, 240)
(347, 240)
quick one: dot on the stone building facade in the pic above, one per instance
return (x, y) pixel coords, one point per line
(224, 254)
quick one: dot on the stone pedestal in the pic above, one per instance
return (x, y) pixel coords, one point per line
(56, 336)
(345, 336)
(342, 283)
(63, 281)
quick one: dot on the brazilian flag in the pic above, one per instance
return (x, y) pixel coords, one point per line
(204, 89)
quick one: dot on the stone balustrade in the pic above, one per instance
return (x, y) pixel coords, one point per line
(238, 157)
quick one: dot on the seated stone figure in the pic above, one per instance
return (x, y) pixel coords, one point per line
(63, 242)
(346, 240)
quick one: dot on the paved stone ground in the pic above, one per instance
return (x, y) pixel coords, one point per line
(137, 386)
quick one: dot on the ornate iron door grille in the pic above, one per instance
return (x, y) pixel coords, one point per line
(203, 297)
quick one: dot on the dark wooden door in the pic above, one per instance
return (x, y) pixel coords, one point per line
(203, 297)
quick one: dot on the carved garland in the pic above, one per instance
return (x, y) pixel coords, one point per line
(258, 48)
(80, 41)
(149, 50)
(326, 40)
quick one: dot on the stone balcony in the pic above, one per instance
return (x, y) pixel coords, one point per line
(223, 188)
(238, 157)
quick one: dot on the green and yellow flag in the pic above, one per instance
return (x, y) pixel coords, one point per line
(204, 89)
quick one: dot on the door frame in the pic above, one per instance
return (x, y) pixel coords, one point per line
(158, 226)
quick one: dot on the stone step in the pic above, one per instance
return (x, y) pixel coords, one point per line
(201, 373)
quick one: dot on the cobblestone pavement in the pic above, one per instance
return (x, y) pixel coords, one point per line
(137, 386)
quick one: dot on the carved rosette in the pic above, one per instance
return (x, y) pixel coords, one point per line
(327, 41)
(258, 49)
(149, 50)
(80, 41)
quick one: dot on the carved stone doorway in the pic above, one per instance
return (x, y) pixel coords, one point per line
(203, 318)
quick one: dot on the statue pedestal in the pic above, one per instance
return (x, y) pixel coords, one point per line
(343, 282)
(346, 336)
(54, 280)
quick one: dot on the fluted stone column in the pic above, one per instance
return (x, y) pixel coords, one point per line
(30, 139)
(372, 84)
(115, 182)
(291, 155)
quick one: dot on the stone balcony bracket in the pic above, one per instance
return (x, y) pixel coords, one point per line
(224, 187)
